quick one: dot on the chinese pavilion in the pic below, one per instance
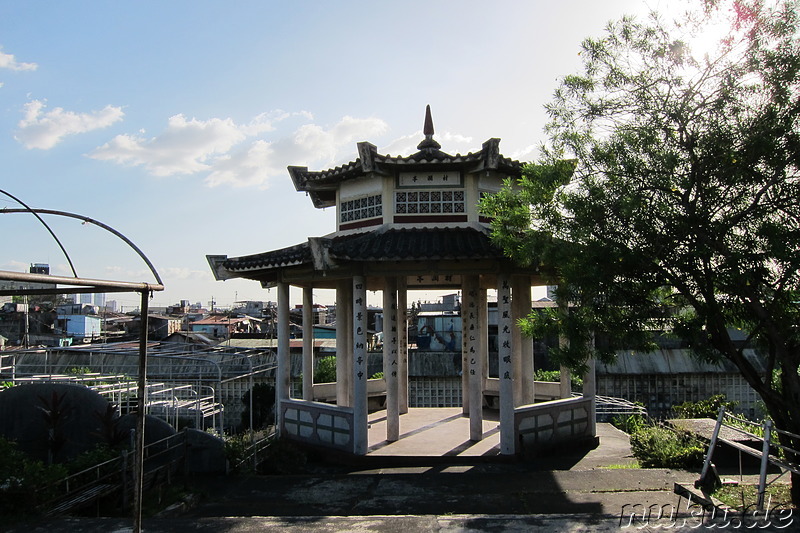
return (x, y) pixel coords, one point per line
(408, 223)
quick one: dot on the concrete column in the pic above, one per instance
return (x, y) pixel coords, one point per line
(390, 357)
(402, 346)
(308, 343)
(590, 387)
(505, 353)
(472, 351)
(563, 342)
(359, 376)
(521, 308)
(483, 320)
(282, 391)
(565, 383)
(516, 342)
(344, 335)
(465, 299)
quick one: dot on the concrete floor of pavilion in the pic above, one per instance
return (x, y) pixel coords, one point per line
(434, 432)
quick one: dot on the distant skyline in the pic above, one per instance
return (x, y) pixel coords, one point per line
(174, 122)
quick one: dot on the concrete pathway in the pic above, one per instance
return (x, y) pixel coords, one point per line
(570, 492)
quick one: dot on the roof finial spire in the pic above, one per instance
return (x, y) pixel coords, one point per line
(428, 128)
(428, 143)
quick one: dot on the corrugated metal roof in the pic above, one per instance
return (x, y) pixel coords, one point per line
(673, 361)
(222, 319)
(273, 343)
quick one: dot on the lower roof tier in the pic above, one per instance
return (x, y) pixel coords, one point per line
(454, 250)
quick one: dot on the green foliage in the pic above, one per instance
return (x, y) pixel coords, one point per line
(99, 454)
(745, 497)
(708, 408)
(235, 447)
(24, 482)
(377, 375)
(263, 406)
(667, 197)
(630, 424)
(576, 382)
(326, 370)
(6, 384)
(656, 446)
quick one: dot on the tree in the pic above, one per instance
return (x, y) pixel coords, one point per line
(263, 406)
(667, 196)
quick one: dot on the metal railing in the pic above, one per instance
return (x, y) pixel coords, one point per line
(162, 460)
(769, 452)
(253, 455)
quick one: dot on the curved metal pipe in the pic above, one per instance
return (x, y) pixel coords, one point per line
(52, 233)
(85, 220)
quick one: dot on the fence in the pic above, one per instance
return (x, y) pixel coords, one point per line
(163, 459)
(183, 382)
(253, 455)
(769, 453)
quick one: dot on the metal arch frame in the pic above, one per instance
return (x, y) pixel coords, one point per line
(85, 220)
(80, 285)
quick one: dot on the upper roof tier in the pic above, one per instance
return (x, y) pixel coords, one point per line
(322, 185)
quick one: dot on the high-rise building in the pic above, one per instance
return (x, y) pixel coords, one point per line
(40, 268)
(100, 299)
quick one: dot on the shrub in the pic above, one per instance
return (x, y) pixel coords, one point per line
(630, 424)
(326, 370)
(576, 382)
(263, 406)
(236, 447)
(656, 446)
(708, 408)
(24, 482)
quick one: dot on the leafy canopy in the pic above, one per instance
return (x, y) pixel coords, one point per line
(667, 196)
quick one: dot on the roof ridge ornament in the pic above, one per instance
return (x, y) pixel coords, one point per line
(428, 143)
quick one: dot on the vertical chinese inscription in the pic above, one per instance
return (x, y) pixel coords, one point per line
(473, 332)
(504, 328)
(359, 330)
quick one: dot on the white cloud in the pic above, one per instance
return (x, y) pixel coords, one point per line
(217, 149)
(16, 266)
(183, 273)
(452, 143)
(250, 167)
(8, 61)
(322, 145)
(525, 154)
(120, 273)
(43, 130)
(185, 147)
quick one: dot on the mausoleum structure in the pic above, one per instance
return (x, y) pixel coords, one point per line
(404, 224)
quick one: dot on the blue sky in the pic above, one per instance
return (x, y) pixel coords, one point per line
(173, 122)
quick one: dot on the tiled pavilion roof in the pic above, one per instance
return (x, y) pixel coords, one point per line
(321, 185)
(396, 244)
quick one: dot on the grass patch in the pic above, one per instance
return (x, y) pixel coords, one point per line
(746, 496)
(624, 466)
